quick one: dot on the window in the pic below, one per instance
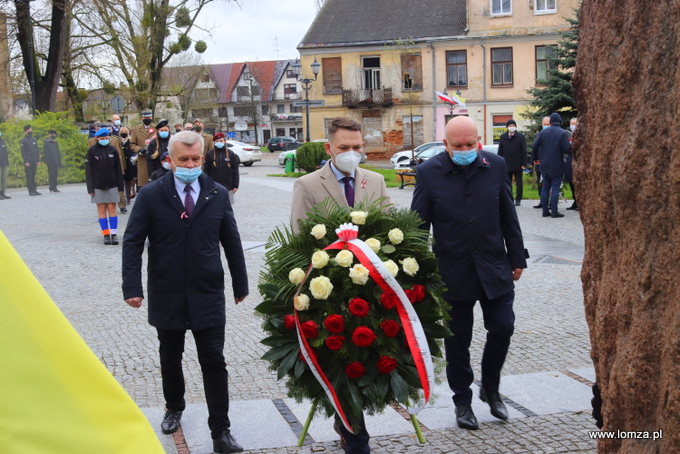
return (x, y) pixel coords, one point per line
(371, 68)
(545, 6)
(499, 7)
(222, 112)
(243, 111)
(265, 110)
(202, 113)
(332, 75)
(501, 66)
(205, 78)
(411, 70)
(242, 91)
(280, 108)
(290, 74)
(543, 63)
(290, 91)
(294, 109)
(456, 68)
(499, 122)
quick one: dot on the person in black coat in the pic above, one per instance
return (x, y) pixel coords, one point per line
(185, 216)
(104, 180)
(568, 170)
(165, 168)
(130, 173)
(513, 148)
(157, 146)
(4, 165)
(465, 195)
(52, 159)
(221, 164)
(31, 156)
(550, 146)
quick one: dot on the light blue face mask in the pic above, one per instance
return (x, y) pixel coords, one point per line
(163, 134)
(545, 126)
(187, 176)
(116, 122)
(104, 142)
(464, 158)
(219, 144)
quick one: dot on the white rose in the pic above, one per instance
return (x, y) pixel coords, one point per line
(320, 259)
(391, 267)
(359, 217)
(373, 244)
(344, 258)
(359, 274)
(320, 287)
(319, 231)
(396, 236)
(301, 302)
(410, 266)
(296, 276)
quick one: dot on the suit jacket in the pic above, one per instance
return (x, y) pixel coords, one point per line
(140, 136)
(513, 150)
(550, 146)
(322, 184)
(185, 275)
(477, 236)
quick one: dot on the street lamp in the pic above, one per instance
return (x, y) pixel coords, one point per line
(451, 106)
(307, 84)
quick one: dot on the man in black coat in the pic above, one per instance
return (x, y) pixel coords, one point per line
(465, 195)
(550, 146)
(31, 155)
(52, 159)
(513, 147)
(186, 216)
(4, 165)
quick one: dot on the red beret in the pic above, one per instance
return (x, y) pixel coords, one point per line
(219, 135)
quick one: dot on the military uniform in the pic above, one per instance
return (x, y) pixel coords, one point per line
(52, 157)
(140, 136)
(31, 156)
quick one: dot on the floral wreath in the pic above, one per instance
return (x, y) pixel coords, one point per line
(353, 311)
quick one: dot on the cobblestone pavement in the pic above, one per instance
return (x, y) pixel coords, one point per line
(58, 236)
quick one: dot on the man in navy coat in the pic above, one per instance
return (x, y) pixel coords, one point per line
(465, 195)
(186, 216)
(550, 147)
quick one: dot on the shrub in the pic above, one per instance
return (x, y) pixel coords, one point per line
(310, 155)
(72, 144)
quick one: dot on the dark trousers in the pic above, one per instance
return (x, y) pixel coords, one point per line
(30, 177)
(573, 193)
(53, 174)
(550, 190)
(355, 443)
(210, 347)
(518, 183)
(499, 321)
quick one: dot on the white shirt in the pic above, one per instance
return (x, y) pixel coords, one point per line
(339, 175)
(196, 186)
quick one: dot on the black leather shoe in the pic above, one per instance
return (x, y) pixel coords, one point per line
(557, 215)
(496, 405)
(466, 418)
(56, 191)
(6, 196)
(37, 193)
(107, 239)
(538, 206)
(226, 443)
(32, 194)
(170, 422)
(545, 215)
(123, 210)
(573, 207)
(114, 239)
(518, 203)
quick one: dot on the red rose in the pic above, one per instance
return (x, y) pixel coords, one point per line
(386, 364)
(334, 323)
(289, 321)
(363, 336)
(419, 291)
(411, 295)
(310, 329)
(390, 328)
(358, 307)
(389, 299)
(335, 342)
(355, 369)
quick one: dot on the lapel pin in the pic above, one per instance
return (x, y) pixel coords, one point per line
(184, 215)
(363, 183)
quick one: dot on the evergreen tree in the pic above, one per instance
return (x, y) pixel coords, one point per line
(555, 93)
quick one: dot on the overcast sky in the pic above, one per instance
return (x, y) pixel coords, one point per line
(249, 33)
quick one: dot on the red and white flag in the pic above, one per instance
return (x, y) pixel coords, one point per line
(451, 99)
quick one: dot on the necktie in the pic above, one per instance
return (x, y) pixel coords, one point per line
(188, 201)
(349, 190)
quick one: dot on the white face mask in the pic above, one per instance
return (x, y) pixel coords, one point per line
(572, 127)
(166, 165)
(512, 129)
(347, 161)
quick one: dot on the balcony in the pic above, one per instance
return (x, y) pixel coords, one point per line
(367, 98)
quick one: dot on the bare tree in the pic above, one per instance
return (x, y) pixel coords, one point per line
(319, 4)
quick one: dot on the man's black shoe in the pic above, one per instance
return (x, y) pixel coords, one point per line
(518, 203)
(170, 422)
(37, 193)
(226, 443)
(32, 194)
(5, 195)
(496, 405)
(123, 210)
(573, 207)
(557, 215)
(114, 239)
(538, 206)
(466, 418)
(545, 215)
(107, 239)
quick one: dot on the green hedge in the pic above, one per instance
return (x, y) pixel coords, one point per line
(309, 156)
(72, 144)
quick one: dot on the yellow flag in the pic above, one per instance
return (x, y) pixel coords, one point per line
(56, 397)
